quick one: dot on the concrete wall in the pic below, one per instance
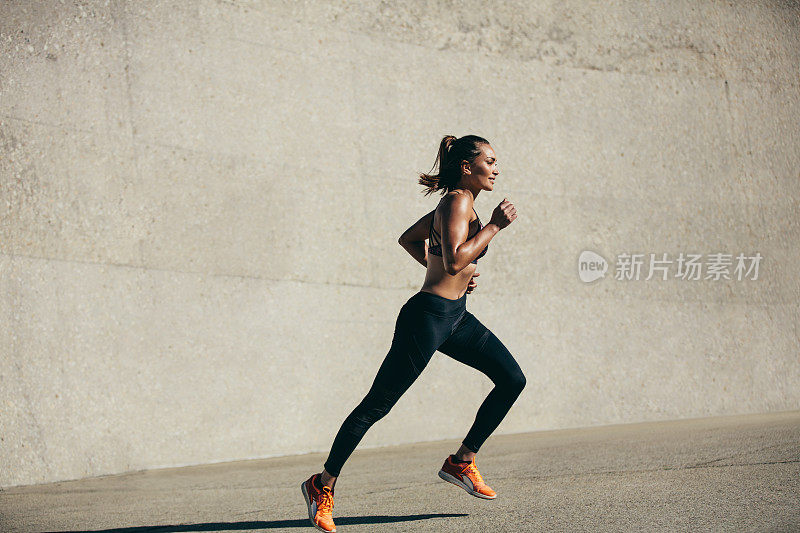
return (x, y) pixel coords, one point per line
(200, 204)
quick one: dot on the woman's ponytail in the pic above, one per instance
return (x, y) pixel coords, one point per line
(451, 152)
(432, 182)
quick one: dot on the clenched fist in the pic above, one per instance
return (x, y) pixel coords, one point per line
(504, 214)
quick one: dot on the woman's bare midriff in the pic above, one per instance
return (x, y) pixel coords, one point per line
(439, 282)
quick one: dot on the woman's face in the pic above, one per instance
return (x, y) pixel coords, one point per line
(484, 168)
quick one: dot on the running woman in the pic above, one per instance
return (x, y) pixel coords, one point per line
(436, 318)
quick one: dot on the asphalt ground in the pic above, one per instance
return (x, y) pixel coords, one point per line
(738, 473)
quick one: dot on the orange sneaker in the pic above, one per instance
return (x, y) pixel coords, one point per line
(320, 504)
(466, 476)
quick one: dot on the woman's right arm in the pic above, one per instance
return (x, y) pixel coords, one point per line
(413, 239)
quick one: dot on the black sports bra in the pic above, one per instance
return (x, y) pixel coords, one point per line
(436, 248)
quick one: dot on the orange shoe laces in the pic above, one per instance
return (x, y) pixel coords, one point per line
(472, 469)
(325, 502)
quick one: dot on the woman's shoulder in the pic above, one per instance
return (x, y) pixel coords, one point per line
(457, 201)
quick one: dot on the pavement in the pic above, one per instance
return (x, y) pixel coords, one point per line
(739, 473)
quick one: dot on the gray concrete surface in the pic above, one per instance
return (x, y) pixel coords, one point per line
(732, 474)
(200, 203)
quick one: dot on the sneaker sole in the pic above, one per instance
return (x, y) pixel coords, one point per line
(458, 483)
(307, 498)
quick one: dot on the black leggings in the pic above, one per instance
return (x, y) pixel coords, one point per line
(428, 322)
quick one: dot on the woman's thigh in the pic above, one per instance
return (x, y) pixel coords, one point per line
(475, 345)
(417, 335)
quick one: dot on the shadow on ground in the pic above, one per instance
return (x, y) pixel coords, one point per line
(272, 524)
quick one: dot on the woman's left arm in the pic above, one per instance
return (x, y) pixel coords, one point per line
(413, 239)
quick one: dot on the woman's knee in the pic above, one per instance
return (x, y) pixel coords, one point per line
(375, 406)
(515, 381)
(511, 376)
